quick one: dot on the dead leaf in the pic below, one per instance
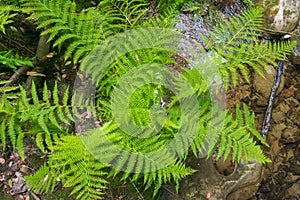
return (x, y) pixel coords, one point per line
(32, 73)
(2, 161)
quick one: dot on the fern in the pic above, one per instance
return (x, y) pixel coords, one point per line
(236, 40)
(238, 137)
(6, 15)
(76, 167)
(39, 118)
(124, 14)
(44, 180)
(79, 168)
(80, 32)
(85, 161)
(13, 61)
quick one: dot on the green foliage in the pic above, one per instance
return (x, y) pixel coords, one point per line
(124, 14)
(26, 116)
(236, 41)
(81, 31)
(75, 166)
(234, 48)
(6, 15)
(13, 61)
(237, 138)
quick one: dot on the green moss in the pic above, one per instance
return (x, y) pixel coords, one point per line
(4, 196)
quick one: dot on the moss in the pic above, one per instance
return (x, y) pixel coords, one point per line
(4, 196)
(62, 194)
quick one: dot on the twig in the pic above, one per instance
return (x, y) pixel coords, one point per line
(34, 196)
(16, 75)
(266, 123)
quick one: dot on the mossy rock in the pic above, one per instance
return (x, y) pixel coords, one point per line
(281, 15)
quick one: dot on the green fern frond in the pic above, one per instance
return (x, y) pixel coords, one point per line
(13, 61)
(236, 40)
(6, 15)
(3, 135)
(238, 137)
(39, 117)
(44, 180)
(78, 168)
(176, 171)
(124, 14)
(78, 31)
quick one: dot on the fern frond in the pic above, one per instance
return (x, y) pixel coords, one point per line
(6, 15)
(78, 31)
(78, 168)
(3, 135)
(175, 171)
(237, 42)
(44, 180)
(11, 130)
(124, 13)
(238, 137)
(13, 61)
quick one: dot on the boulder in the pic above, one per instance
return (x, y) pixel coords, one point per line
(294, 57)
(281, 16)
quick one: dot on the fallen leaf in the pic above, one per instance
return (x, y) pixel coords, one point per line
(2, 161)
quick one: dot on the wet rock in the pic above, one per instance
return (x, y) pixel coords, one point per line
(278, 117)
(291, 134)
(207, 183)
(264, 85)
(281, 15)
(294, 191)
(277, 129)
(294, 57)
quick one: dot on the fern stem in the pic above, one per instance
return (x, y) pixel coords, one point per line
(140, 195)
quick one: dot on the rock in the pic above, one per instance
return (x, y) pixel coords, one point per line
(294, 57)
(281, 16)
(208, 183)
(293, 192)
(277, 129)
(292, 102)
(290, 135)
(264, 85)
(278, 117)
(283, 108)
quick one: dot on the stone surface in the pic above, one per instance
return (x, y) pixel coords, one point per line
(278, 117)
(264, 85)
(281, 15)
(208, 183)
(291, 135)
(294, 57)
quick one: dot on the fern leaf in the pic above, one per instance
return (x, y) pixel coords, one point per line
(39, 140)
(11, 130)
(3, 135)
(19, 144)
(45, 95)
(44, 180)
(238, 138)
(42, 123)
(34, 95)
(79, 168)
